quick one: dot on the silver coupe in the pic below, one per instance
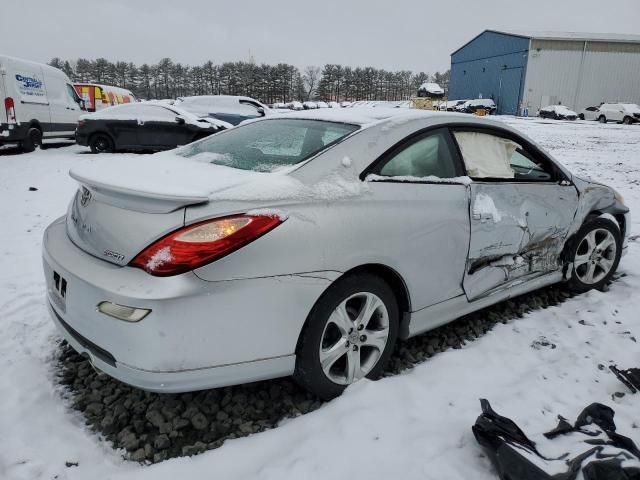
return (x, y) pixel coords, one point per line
(308, 244)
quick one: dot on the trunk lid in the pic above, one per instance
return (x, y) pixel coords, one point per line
(127, 202)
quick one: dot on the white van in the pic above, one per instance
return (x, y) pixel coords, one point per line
(39, 102)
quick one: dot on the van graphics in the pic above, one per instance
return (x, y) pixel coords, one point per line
(31, 88)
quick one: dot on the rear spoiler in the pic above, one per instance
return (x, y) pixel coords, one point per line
(148, 202)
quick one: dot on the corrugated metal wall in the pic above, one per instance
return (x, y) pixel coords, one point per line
(493, 65)
(580, 75)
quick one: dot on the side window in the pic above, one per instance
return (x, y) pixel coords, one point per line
(72, 93)
(525, 168)
(425, 157)
(488, 156)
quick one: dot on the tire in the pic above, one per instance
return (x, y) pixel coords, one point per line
(602, 119)
(627, 120)
(581, 116)
(595, 254)
(33, 140)
(101, 143)
(342, 341)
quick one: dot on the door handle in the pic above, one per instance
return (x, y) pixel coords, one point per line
(483, 217)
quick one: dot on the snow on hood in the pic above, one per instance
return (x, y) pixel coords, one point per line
(166, 174)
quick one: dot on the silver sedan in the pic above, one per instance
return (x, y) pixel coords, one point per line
(309, 245)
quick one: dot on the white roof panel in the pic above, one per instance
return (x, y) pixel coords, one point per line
(579, 36)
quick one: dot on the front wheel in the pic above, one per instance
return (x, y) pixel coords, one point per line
(627, 121)
(596, 254)
(349, 335)
(602, 119)
(581, 116)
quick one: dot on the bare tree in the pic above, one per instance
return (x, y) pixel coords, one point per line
(311, 78)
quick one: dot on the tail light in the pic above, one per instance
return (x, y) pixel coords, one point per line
(81, 123)
(9, 107)
(202, 243)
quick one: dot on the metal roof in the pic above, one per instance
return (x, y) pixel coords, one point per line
(579, 36)
(567, 36)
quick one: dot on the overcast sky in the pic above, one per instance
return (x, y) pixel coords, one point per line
(393, 34)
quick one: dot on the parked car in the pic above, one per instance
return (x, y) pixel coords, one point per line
(96, 97)
(228, 108)
(430, 89)
(626, 113)
(200, 268)
(295, 105)
(308, 105)
(334, 105)
(557, 112)
(39, 102)
(450, 105)
(461, 106)
(589, 113)
(345, 104)
(139, 126)
(322, 105)
(486, 104)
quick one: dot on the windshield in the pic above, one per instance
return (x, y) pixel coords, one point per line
(268, 145)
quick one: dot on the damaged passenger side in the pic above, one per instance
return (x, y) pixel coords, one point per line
(520, 212)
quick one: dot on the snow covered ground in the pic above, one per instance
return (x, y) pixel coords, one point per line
(416, 425)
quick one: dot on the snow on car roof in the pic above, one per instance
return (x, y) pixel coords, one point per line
(136, 111)
(363, 116)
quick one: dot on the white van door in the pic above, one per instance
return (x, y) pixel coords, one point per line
(3, 96)
(24, 83)
(63, 106)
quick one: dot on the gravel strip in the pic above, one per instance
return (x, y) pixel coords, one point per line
(153, 427)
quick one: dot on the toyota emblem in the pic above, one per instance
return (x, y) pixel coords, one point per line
(85, 197)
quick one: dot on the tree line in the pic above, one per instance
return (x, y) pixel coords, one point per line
(268, 83)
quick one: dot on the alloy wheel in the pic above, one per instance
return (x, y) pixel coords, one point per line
(354, 338)
(595, 256)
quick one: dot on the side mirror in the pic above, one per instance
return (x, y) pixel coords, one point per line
(180, 120)
(82, 104)
(261, 111)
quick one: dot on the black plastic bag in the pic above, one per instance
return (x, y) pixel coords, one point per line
(599, 452)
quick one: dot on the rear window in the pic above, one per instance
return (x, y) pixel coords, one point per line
(268, 145)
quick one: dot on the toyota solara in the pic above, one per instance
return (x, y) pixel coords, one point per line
(308, 244)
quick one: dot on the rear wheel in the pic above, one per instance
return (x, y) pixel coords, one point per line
(349, 335)
(596, 254)
(581, 116)
(627, 120)
(602, 119)
(101, 143)
(33, 140)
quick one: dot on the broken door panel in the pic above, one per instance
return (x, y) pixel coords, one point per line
(517, 229)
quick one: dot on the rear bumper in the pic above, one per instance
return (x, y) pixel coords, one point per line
(198, 335)
(13, 133)
(82, 138)
(173, 381)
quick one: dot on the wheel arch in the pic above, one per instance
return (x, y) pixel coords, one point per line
(614, 212)
(36, 124)
(388, 275)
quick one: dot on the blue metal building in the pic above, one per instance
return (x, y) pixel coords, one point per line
(530, 70)
(492, 65)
